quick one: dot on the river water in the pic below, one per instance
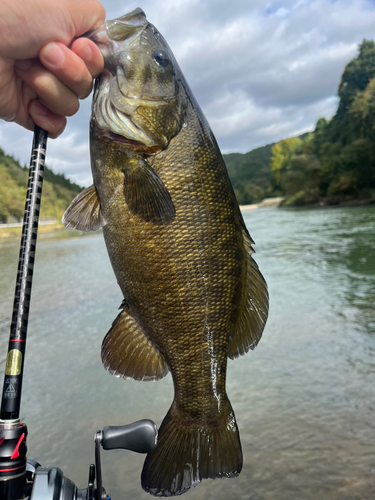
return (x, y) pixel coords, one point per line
(304, 398)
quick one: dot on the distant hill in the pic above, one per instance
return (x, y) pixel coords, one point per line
(58, 191)
(251, 174)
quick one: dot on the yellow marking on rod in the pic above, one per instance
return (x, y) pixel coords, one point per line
(14, 362)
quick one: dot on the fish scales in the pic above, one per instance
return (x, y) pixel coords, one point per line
(193, 296)
(195, 291)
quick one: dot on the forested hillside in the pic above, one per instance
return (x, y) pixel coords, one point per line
(251, 174)
(335, 163)
(58, 191)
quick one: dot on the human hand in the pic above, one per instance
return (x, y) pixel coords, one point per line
(41, 78)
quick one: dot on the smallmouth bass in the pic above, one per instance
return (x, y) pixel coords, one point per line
(193, 295)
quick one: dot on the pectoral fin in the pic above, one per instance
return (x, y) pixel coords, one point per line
(146, 194)
(84, 212)
(127, 352)
(251, 309)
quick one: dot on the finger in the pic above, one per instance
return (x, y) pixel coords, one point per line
(68, 67)
(56, 96)
(8, 90)
(90, 54)
(17, 95)
(25, 95)
(23, 32)
(54, 124)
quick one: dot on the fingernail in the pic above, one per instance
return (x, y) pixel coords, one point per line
(53, 54)
(39, 108)
(23, 64)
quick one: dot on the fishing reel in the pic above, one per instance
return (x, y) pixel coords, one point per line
(22, 478)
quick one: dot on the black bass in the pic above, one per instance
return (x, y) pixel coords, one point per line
(193, 295)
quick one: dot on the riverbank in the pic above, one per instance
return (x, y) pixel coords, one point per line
(45, 231)
(10, 231)
(266, 203)
(332, 202)
(14, 230)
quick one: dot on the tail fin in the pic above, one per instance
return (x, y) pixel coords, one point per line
(186, 455)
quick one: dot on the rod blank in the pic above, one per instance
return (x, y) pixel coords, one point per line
(11, 396)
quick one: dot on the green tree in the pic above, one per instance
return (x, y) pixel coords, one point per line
(362, 111)
(58, 191)
(356, 76)
(345, 145)
(282, 154)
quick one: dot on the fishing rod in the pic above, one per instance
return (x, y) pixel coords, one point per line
(22, 478)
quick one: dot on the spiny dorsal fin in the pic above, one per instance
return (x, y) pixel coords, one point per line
(252, 309)
(146, 194)
(126, 351)
(84, 212)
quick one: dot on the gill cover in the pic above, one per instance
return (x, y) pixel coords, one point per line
(136, 96)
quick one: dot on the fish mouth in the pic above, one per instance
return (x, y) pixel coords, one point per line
(112, 113)
(130, 143)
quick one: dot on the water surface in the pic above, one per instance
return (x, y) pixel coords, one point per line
(304, 398)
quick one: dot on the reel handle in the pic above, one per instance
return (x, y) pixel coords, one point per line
(140, 436)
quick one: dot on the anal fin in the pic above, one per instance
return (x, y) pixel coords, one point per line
(127, 352)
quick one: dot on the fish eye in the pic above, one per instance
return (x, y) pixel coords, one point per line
(161, 57)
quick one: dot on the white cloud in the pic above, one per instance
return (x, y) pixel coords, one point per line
(70, 156)
(298, 4)
(282, 12)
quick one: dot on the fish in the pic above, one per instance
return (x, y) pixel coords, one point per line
(180, 250)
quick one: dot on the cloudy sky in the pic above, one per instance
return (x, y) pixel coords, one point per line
(261, 71)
